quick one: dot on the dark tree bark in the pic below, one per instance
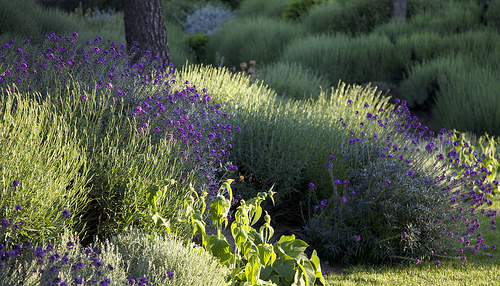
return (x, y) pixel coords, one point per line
(145, 24)
(399, 8)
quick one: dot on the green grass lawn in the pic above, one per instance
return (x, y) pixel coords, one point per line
(477, 270)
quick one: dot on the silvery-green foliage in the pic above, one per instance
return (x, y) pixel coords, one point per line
(206, 19)
(402, 194)
(121, 260)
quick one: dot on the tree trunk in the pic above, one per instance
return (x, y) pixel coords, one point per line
(399, 8)
(145, 24)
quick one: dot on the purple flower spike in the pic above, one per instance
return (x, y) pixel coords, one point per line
(311, 186)
(66, 214)
(170, 274)
(15, 183)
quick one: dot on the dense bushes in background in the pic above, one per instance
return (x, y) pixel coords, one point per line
(260, 39)
(253, 8)
(350, 17)
(291, 80)
(340, 57)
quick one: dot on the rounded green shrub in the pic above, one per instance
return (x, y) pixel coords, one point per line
(422, 85)
(254, 8)
(350, 17)
(125, 259)
(469, 100)
(260, 39)
(448, 18)
(340, 57)
(398, 196)
(492, 14)
(294, 9)
(293, 81)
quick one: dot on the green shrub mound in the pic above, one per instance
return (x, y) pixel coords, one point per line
(291, 80)
(340, 57)
(469, 101)
(253, 8)
(354, 17)
(400, 197)
(260, 39)
(125, 259)
(40, 152)
(492, 14)
(423, 83)
(449, 17)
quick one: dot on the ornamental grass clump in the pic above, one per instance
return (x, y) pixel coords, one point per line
(403, 194)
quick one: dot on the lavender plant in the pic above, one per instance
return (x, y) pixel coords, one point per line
(131, 258)
(127, 118)
(399, 196)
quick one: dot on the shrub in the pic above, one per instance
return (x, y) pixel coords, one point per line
(43, 167)
(205, 19)
(423, 83)
(350, 17)
(294, 9)
(452, 17)
(281, 142)
(260, 39)
(293, 81)
(468, 101)
(353, 60)
(126, 118)
(398, 200)
(492, 14)
(254, 8)
(126, 259)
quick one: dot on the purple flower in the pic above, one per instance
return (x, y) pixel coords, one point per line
(311, 186)
(404, 234)
(78, 280)
(66, 214)
(387, 182)
(105, 282)
(170, 274)
(15, 183)
(323, 203)
(357, 238)
(70, 244)
(19, 208)
(464, 258)
(438, 262)
(343, 200)
(75, 35)
(131, 281)
(417, 261)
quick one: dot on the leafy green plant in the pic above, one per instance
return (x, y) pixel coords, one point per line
(481, 151)
(253, 8)
(197, 43)
(294, 9)
(255, 261)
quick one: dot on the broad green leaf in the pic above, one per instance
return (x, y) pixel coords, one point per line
(286, 270)
(252, 270)
(220, 248)
(239, 235)
(153, 191)
(266, 254)
(256, 215)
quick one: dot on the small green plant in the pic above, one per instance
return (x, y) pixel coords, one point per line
(254, 261)
(294, 9)
(197, 43)
(483, 151)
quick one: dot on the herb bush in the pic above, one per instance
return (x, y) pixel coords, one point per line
(253, 8)
(353, 18)
(492, 14)
(43, 168)
(260, 39)
(281, 142)
(468, 101)
(340, 57)
(205, 19)
(398, 200)
(133, 257)
(127, 119)
(423, 84)
(449, 17)
(291, 80)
